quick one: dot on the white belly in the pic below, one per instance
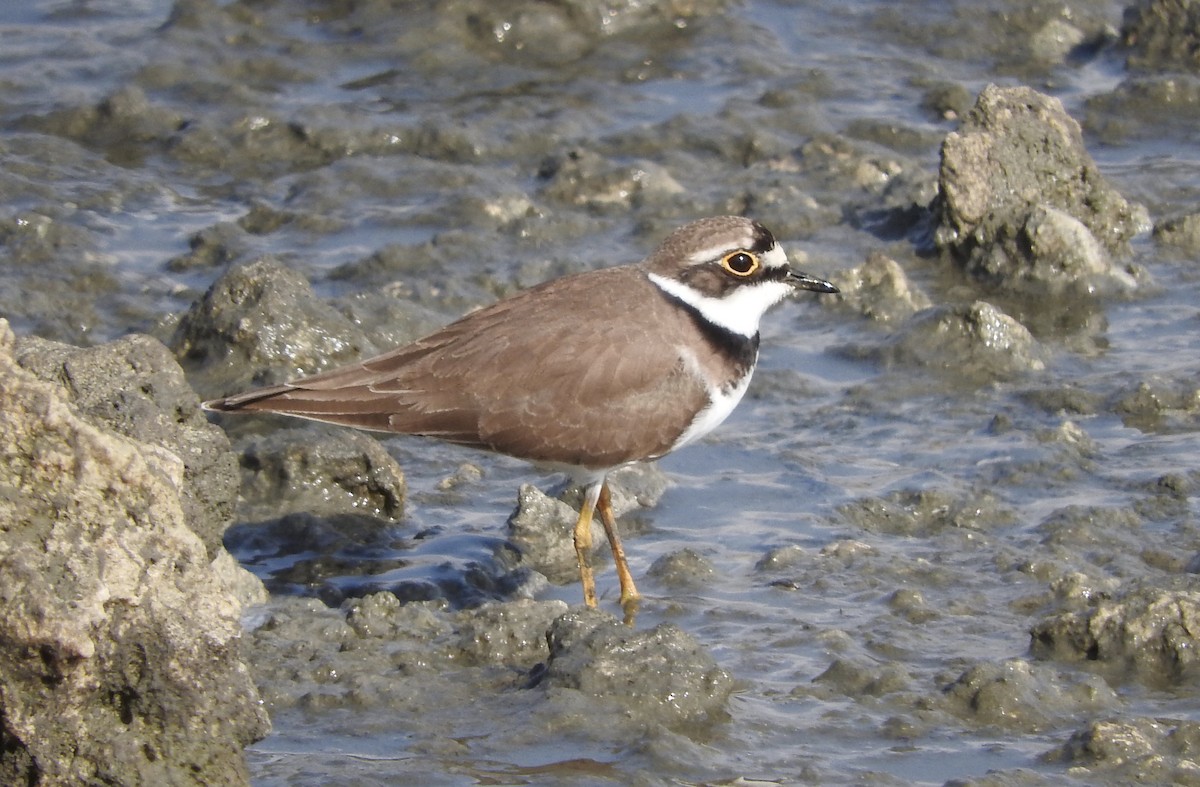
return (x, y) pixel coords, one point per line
(721, 404)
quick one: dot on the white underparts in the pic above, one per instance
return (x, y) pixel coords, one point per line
(721, 404)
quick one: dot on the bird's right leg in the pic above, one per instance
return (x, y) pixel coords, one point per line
(583, 541)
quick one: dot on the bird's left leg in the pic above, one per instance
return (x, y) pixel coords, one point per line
(583, 541)
(629, 591)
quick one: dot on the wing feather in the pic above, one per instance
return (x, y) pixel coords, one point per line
(556, 373)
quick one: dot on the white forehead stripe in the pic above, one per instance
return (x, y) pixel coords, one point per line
(716, 252)
(774, 258)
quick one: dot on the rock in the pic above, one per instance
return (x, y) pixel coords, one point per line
(542, 528)
(660, 676)
(863, 678)
(1134, 750)
(511, 633)
(500, 634)
(412, 658)
(781, 558)
(912, 606)
(879, 290)
(1079, 526)
(584, 178)
(976, 342)
(947, 100)
(1062, 249)
(1023, 207)
(1145, 108)
(1162, 35)
(846, 551)
(261, 324)
(56, 279)
(889, 192)
(248, 589)
(1167, 498)
(1160, 403)
(339, 557)
(211, 247)
(1016, 694)
(126, 125)
(922, 513)
(1064, 398)
(635, 486)
(372, 652)
(1054, 41)
(1151, 631)
(552, 34)
(120, 651)
(683, 569)
(1179, 232)
(134, 387)
(1116, 741)
(321, 472)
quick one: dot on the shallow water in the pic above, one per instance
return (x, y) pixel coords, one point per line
(921, 600)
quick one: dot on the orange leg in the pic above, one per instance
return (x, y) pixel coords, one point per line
(583, 542)
(629, 592)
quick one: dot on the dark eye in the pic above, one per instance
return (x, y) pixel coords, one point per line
(740, 263)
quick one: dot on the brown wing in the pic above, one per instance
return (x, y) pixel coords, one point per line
(558, 373)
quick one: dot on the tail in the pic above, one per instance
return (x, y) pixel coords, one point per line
(357, 407)
(245, 401)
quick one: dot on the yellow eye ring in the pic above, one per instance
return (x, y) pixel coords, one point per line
(741, 263)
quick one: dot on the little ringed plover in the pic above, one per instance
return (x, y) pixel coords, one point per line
(582, 374)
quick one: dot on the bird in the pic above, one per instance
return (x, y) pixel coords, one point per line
(583, 374)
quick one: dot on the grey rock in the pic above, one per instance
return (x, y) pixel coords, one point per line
(542, 527)
(135, 387)
(685, 568)
(1147, 106)
(1159, 403)
(260, 324)
(879, 290)
(862, 678)
(1162, 35)
(1133, 750)
(1151, 631)
(1062, 249)
(947, 100)
(659, 676)
(1023, 206)
(55, 283)
(510, 633)
(976, 342)
(1017, 694)
(412, 658)
(120, 659)
(560, 33)
(781, 558)
(925, 512)
(322, 472)
(1054, 41)
(126, 124)
(1179, 232)
(584, 178)
(212, 247)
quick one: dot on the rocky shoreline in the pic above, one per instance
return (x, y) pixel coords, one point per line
(136, 650)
